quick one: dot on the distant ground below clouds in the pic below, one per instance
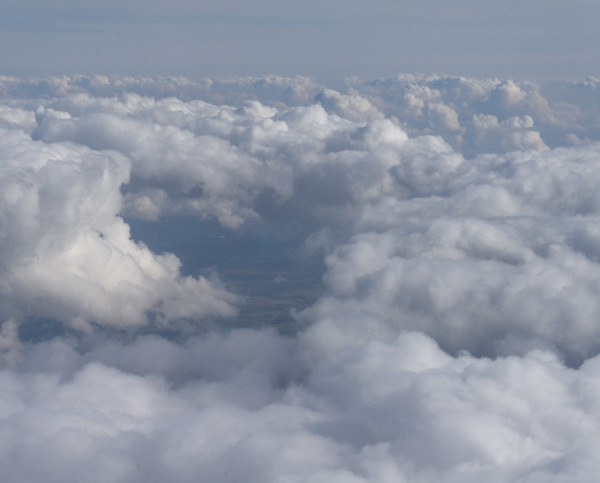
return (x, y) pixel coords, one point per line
(273, 274)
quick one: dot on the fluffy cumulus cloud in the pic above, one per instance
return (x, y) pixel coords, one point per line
(246, 407)
(496, 253)
(67, 255)
(455, 338)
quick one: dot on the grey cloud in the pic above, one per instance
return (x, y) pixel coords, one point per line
(483, 222)
(232, 158)
(433, 104)
(401, 410)
(270, 89)
(351, 106)
(66, 254)
(512, 134)
(477, 261)
(462, 248)
(456, 338)
(557, 107)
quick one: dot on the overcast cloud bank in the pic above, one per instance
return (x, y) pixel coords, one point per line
(456, 339)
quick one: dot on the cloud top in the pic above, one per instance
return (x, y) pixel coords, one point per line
(455, 335)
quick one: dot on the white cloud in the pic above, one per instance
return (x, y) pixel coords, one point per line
(401, 410)
(556, 107)
(433, 104)
(427, 243)
(65, 252)
(313, 167)
(513, 134)
(463, 249)
(351, 106)
(476, 260)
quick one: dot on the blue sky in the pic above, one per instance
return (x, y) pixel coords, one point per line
(531, 38)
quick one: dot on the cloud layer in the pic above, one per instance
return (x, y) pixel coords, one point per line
(455, 339)
(245, 406)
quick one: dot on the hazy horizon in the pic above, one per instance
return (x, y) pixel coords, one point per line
(327, 40)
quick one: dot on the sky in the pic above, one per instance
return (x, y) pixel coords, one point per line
(299, 242)
(325, 39)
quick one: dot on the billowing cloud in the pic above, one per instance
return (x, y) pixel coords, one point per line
(418, 236)
(67, 255)
(225, 408)
(231, 162)
(489, 251)
(455, 338)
